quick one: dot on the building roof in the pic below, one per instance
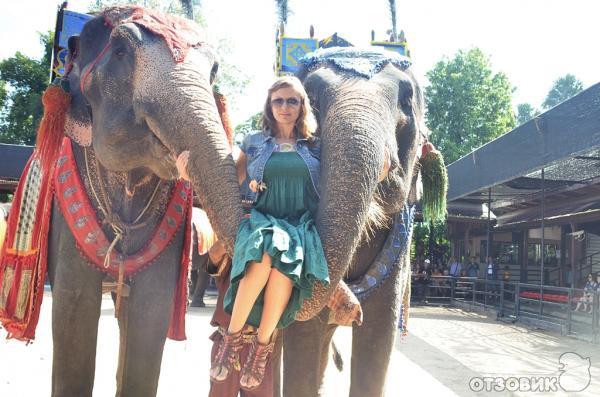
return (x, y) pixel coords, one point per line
(14, 158)
(564, 141)
(12, 161)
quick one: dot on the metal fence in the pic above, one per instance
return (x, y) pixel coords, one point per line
(569, 309)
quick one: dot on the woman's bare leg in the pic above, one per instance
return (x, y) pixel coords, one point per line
(277, 296)
(249, 288)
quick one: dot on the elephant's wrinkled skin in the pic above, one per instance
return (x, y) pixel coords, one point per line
(140, 108)
(359, 120)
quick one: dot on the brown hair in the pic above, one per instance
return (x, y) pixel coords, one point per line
(306, 124)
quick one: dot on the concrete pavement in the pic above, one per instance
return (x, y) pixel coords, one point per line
(446, 349)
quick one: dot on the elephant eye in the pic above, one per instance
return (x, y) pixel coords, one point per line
(120, 52)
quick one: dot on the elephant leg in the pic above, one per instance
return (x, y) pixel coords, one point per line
(373, 342)
(149, 309)
(302, 353)
(76, 301)
(200, 285)
(329, 330)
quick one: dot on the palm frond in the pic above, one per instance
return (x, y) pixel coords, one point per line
(282, 11)
(392, 4)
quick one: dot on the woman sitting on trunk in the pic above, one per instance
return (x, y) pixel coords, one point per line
(278, 254)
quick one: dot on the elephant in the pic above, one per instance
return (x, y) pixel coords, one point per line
(137, 100)
(369, 106)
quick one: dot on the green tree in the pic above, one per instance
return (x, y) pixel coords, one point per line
(23, 80)
(251, 124)
(525, 112)
(562, 89)
(467, 103)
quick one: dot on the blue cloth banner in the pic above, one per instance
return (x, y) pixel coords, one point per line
(72, 24)
(294, 49)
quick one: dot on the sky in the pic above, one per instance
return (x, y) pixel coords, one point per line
(533, 42)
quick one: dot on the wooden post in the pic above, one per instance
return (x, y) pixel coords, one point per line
(525, 258)
(573, 256)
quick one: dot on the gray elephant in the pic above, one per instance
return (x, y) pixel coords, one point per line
(369, 108)
(137, 100)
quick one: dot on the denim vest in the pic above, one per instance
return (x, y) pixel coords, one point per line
(259, 146)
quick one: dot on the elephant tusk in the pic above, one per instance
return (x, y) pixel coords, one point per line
(386, 166)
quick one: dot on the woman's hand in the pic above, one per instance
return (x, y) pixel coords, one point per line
(217, 252)
(181, 163)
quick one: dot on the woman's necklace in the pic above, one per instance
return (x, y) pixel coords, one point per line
(286, 145)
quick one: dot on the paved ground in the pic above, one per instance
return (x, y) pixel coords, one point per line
(446, 349)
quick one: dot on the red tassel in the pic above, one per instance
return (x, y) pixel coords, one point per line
(177, 325)
(427, 147)
(221, 102)
(33, 259)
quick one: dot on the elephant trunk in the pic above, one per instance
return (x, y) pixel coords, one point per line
(352, 156)
(187, 119)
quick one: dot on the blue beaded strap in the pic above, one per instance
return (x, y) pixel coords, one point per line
(389, 257)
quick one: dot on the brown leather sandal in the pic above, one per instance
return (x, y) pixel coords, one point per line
(227, 357)
(253, 371)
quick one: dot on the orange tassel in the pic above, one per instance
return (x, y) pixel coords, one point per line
(51, 131)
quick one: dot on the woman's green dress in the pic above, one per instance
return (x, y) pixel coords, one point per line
(281, 223)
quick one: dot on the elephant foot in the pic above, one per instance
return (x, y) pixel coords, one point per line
(253, 372)
(227, 358)
(198, 303)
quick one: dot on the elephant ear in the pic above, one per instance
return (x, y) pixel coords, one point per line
(435, 183)
(78, 124)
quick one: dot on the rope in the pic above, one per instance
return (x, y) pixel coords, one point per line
(92, 66)
(116, 224)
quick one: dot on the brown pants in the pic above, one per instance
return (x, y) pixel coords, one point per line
(231, 386)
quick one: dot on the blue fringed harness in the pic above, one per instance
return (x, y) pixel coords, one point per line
(390, 257)
(358, 62)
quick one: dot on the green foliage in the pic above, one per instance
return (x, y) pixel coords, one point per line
(243, 129)
(421, 233)
(525, 112)
(467, 104)
(435, 186)
(232, 80)
(3, 93)
(23, 81)
(562, 89)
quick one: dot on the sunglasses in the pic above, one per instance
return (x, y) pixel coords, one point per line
(278, 102)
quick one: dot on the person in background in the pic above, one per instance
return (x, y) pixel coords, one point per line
(506, 274)
(424, 279)
(585, 302)
(491, 275)
(473, 268)
(454, 267)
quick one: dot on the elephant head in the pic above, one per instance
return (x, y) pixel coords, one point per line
(141, 94)
(369, 107)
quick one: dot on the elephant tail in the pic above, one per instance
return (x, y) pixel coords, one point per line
(337, 357)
